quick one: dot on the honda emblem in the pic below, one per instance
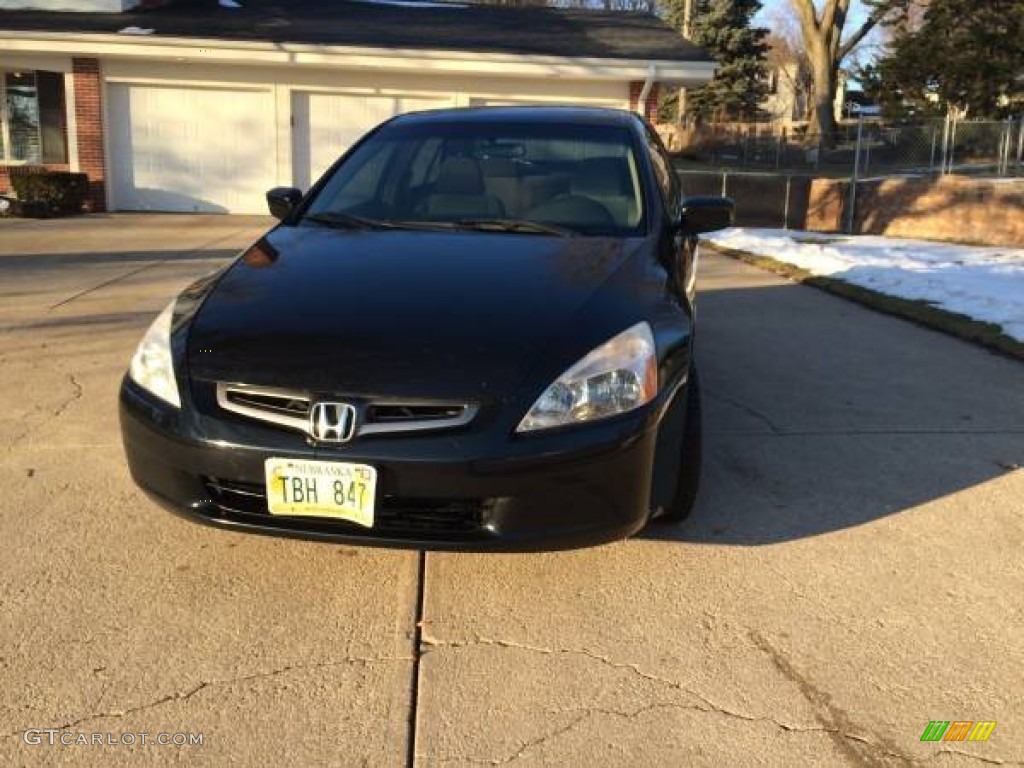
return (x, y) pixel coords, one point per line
(332, 422)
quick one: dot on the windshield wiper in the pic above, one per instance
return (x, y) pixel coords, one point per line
(346, 221)
(488, 225)
(516, 225)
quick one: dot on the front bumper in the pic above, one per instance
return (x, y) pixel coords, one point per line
(569, 489)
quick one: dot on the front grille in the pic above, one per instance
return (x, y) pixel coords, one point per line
(288, 405)
(291, 409)
(390, 413)
(276, 406)
(440, 519)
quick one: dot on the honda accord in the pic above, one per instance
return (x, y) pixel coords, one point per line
(475, 332)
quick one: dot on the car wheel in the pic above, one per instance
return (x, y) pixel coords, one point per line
(689, 474)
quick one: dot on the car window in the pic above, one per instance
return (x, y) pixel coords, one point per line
(662, 167)
(583, 179)
(364, 177)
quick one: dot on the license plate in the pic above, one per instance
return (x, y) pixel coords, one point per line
(321, 489)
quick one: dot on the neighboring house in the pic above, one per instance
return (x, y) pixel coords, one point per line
(789, 89)
(192, 107)
(787, 97)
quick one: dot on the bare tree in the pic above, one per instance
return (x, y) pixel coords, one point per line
(822, 26)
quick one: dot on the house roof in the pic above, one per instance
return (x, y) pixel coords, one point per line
(390, 24)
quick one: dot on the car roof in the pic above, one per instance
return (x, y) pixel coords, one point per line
(561, 115)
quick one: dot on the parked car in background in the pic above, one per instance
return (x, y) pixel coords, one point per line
(474, 332)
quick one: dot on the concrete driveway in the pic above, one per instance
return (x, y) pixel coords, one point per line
(852, 572)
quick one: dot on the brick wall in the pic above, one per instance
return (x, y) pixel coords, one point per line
(650, 110)
(951, 208)
(825, 210)
(89, 117)
(944, 208)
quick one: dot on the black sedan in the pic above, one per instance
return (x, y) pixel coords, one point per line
(474, 332)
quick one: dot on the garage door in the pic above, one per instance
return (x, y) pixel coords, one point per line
(480, 101)
(190, 149)
(327, 124)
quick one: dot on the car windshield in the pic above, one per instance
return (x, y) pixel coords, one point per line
(529, 178)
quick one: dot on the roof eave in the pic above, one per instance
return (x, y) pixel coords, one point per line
(260, 53)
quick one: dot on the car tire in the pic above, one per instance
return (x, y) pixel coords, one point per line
(689, 473)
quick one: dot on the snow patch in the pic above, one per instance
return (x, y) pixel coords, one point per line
(983, 283)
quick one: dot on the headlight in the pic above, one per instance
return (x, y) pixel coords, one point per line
(152, 367)
(618, 376)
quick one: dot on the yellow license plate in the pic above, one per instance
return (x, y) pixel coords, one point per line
(321, 489)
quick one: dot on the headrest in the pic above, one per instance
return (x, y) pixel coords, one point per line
(603, 176)
(460, 176)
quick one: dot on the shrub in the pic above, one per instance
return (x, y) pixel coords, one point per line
(50, 193)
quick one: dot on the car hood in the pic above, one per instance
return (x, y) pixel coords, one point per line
(397, 313)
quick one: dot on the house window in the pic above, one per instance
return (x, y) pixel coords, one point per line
(771, 81)
(33, 125)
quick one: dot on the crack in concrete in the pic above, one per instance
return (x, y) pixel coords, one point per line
(540, 740)
(606, 660)
(707, 704)
(526, 747)
(205, 684)
(76, 394)
(827, 712)
(837, 722)
(589, 712)
(961, 753)
(863, 750)
(747, 409)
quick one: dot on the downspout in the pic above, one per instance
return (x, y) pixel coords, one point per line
(641, 102)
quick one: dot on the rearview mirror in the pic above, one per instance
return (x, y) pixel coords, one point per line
(282, 201)
(706, 214)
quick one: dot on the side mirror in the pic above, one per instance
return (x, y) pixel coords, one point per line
(706, 214)
(282, 201)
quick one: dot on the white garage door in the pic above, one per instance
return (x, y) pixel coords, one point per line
(190, 149)
(327, 124)
(481, 101)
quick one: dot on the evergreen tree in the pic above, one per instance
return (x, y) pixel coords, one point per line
(966, 54)
(723, 29)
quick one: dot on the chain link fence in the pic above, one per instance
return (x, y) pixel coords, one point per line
(865, 148)
(780, 179)
(763, 199)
